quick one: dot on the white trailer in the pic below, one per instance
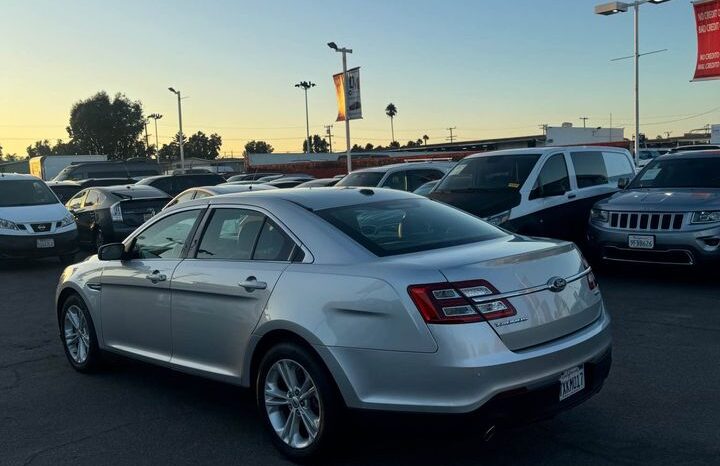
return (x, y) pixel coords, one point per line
(47, 167)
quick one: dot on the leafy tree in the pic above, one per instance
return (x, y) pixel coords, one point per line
(99, 125)
(202, 146)
(319, 145)
(369, 147)
(391, 111)
(258, 147)
(394, 145)
(44, 147)
(356, 148)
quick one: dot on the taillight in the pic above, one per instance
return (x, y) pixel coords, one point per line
(592, 282)
(452, 303)
(116, 212)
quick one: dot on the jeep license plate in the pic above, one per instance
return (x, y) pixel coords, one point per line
(641, 242)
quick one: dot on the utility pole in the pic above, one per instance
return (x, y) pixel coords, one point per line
(584, 120)
(328, 131)
(182, 136)
(543, 127)
(305, 85)
(451, 138)
(147, 141)
(156, 117)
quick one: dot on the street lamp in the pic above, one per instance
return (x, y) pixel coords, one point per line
(182, 137)
(156, 117)
(305, 85)
(613, 8)
(344, 52)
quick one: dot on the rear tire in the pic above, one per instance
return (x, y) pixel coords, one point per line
(78, 337)
(298, 401)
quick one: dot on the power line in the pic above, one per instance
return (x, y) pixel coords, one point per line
(451, 138)
(328, 129)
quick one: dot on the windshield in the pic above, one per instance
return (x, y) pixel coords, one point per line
(680, 173)
(491, 173)
(399, 227)
(360, 179)
(15, 193)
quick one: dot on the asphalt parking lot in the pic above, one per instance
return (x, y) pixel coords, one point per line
(659, 406)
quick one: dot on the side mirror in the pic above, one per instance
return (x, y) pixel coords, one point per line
(111, 252)
(623, 182)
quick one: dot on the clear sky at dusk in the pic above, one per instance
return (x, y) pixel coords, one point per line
(491, 68)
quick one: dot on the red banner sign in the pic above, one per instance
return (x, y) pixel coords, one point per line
(707, 15)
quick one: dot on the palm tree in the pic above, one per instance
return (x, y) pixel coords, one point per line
(425, 138)
(391, 111)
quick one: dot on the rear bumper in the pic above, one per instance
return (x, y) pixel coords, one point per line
(672, 247)
(25, 246)
(472, 371)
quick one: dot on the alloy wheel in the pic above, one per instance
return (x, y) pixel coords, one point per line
(292, 403)
(77, 334)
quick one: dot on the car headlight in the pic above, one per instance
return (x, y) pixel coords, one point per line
(7, 225)
(706, 217)
(67, 220)
(499, 219)
(599, 216)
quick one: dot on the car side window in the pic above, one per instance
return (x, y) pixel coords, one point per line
(76, 201)
(166, 238)
(589, 168)
(618, 166)
(417, 178)
(273, 244)
(163, 184)
(231, 234)
(553, 179)
(396, 180)
(94, 197)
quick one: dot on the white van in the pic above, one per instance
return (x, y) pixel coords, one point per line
(33, 222)
(544, 191)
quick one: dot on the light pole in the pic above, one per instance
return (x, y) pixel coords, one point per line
(156, 117)
(613, 8)
(305, 85)
(182, 137)
(344, 52)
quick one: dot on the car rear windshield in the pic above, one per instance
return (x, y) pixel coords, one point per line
(491, 173)
(411, 225)
(680, 173)
(361, 179)
(16, 193)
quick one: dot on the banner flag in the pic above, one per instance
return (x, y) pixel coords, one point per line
(354, 105)
(707, 16)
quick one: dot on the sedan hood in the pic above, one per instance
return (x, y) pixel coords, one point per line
(34, 213)
(666, 200)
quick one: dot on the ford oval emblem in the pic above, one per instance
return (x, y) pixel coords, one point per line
(557, 284)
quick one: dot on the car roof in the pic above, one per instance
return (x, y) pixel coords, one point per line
(131, 189)
(148, 179)
(17, 176)
(232, 188)
(697, 154)
(543, 150)
(442, 164)
(314, 198)
(63, 183)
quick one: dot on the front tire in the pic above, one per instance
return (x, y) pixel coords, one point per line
(298, 401)
(78, 336)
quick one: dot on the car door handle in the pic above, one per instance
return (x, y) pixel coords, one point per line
(571, 196)
(251, 284)
(156, 276)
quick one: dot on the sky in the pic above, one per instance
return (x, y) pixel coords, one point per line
(490, 68)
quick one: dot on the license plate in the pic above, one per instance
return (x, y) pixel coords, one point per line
(571, 382)
(641, 242)
(46, 243)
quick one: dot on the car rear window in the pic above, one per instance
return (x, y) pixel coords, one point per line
(411, 225)
(16, 193)
(680, 173)
(362, 179)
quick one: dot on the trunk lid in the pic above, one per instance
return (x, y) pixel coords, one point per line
(135, 212)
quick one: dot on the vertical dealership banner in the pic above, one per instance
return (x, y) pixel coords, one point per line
(707, 16)
(354, 105)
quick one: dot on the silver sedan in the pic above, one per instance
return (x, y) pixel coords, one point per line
(326, 299)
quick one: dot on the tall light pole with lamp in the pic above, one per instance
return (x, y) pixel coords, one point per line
(182, 136)
(344, 52)
(305, 85)
(613, 8)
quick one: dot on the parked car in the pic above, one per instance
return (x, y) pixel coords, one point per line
(425, 189)
(130, 169)
(545, 192)
(693, 148)
(110, 213)
(403, 176)
(218, 190)
(669, 214)
(64, 190)
(288, 181)
(647, 155)
(33, 222)
(172, 185)
(322, 299)
(319, 183)
(252, 176)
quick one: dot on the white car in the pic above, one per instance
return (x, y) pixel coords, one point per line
(33, 222)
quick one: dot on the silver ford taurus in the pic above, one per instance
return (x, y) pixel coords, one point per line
(329, 298)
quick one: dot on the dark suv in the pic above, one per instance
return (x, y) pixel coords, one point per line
(110, 213)
(172, 185)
